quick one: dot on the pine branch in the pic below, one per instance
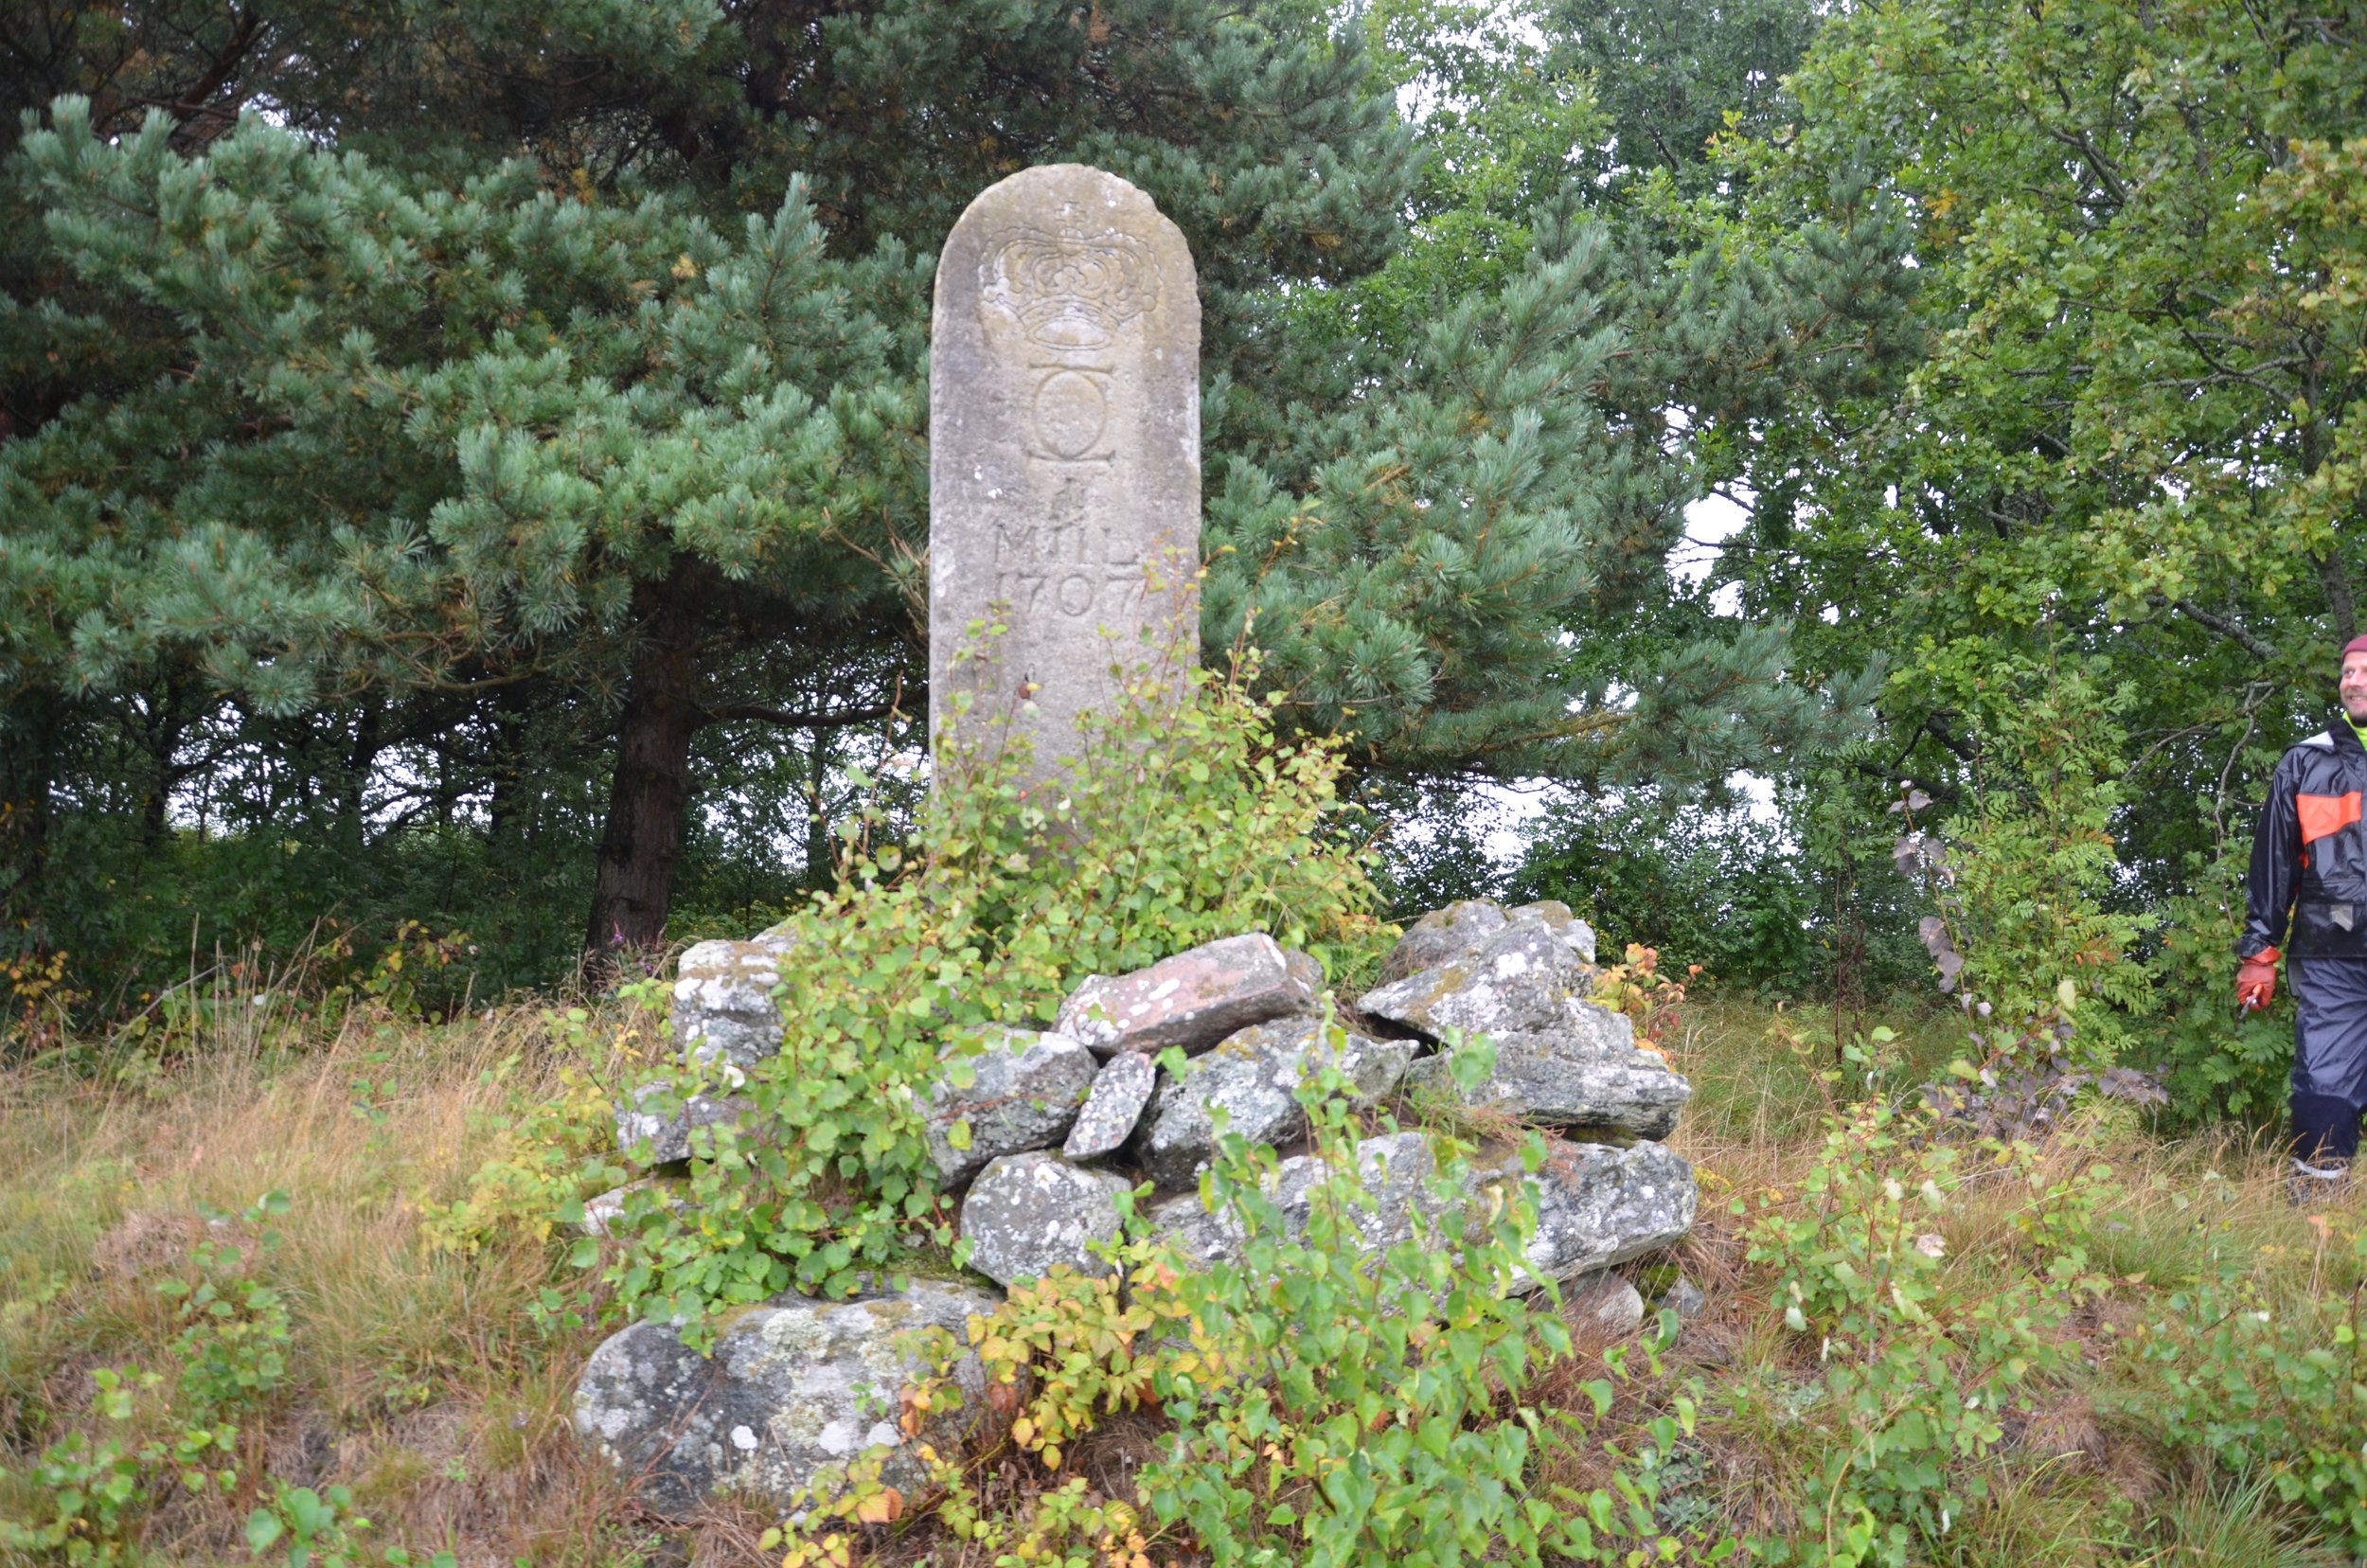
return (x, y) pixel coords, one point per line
(786, 719)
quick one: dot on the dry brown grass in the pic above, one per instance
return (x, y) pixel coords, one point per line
(419, 1380)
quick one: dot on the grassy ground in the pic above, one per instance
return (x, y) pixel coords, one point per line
(418, 1380)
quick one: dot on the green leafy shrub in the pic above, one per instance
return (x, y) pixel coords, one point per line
(1320, 1403)
(554, 1140)
(1722, 891)
(230, 1350)
(2273, 1390)
(1181, 821)
(1912, 1375)
(2218, 1063)
(2027, 931)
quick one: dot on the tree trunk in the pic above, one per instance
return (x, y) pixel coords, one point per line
(353, 787)
(648, 791)
(510, 814)
(30, 729)
(2338, 586)
(821, 843)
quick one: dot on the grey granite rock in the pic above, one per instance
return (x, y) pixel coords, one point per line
(793, 1392)
(1254, 1076)
(1393, 1170)
(724, 1011)
(1597, 1205)
(1520, 980)
(1443, 936)
(1556, 917)
(1192, 1000)
(602, 1212)
(1024, 1092)
(1562, 1079)
(1682, 1298)
(655, 1128)
(1113, 1105)
(1063, 456)
(1605, 1307)
(1027, 1212)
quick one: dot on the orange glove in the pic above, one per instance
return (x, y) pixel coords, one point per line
(2256, 980)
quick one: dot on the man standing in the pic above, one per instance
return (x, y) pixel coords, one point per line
(2309, 867)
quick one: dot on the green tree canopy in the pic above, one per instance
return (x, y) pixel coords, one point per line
(389, 376)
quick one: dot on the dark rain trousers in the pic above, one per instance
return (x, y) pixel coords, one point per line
(2329, 1054)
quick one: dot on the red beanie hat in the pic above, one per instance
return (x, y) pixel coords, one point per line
(2357, 644)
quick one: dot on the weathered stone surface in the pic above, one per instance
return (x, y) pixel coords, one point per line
(1597, 1205)
(602, 1212)
(1605, 1307)
(1255, 1075)
(1306, 969)
(1457, 933)
(1395, 1169)
(1064, 453)
(1682, 1298)
(1563, 1080)
(1023, 1094)
(723, 1006)
(1556, 917)
(1192, 1000)
(1027, 1212)
(1443, 936)
(1517, 981)
(793, 1392)
(1113, 1107)
(652, 1114)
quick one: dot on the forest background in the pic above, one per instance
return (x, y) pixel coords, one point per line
(462, 525)
(462, 467)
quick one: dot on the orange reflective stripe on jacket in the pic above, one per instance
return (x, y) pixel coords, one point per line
(2323, 815)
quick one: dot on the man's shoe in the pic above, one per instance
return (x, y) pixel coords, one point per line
(2322, 1179)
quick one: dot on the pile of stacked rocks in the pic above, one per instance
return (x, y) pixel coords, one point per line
(1052, 1126)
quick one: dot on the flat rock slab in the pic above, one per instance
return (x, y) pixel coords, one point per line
(1255, 1077)
(1028, 1213)
(1024, 1092)
(793, 1392)
(1521, 980)
(1112, 1108)
(1597, 1205)
(1191, 1000)
(656, 1127)
(1567, 1081)
(724, 1011)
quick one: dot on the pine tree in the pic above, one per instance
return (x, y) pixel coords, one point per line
(531, 355)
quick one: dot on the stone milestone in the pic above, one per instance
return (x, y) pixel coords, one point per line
(1064, 455)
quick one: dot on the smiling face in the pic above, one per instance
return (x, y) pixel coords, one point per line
(2353, 686)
